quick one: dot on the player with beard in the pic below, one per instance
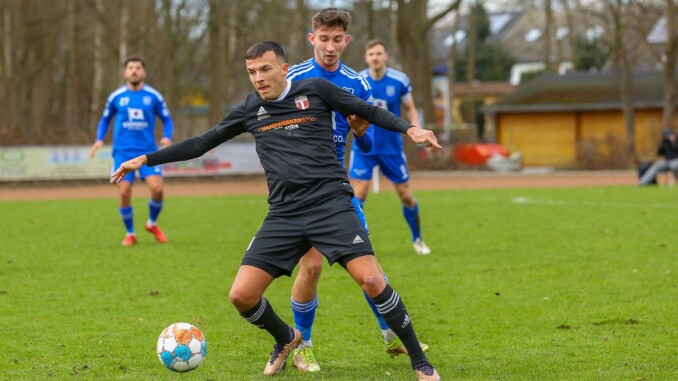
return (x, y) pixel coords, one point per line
(135, 106)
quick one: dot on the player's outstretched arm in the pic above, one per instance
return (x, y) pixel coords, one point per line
(127, 167)
(95, 147)
(423, 136)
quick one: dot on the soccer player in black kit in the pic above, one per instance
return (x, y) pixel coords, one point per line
(309, 195)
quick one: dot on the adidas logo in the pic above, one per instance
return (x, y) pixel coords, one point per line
(357, 239)
(405, 322)
(262, 113)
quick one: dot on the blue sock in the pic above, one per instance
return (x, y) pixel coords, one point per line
(412, 218)
(380, 319)
(361, 202)
(304, 314)
(154, 209)
(127, 215)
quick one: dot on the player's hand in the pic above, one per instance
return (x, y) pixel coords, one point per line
(127, 167)
(165, 142)
(95, 147)
(422, 136)
(358, 125)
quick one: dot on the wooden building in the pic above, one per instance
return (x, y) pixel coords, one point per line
(576, 120)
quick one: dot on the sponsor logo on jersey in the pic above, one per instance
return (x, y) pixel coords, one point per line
(292, 127)
(301, 102)
(357, 239)
(349, 89)
(380, 103)
(283, 123)
(390, 90)
(262, 113)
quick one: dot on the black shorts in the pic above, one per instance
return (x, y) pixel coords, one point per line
(330, 225)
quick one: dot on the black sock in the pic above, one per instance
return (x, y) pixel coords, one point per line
(263, 316)
(395, 314)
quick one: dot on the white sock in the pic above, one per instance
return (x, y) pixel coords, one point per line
(389, 335)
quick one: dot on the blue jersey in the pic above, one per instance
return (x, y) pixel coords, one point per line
(389, 93)
(347, 79)
(135, 111)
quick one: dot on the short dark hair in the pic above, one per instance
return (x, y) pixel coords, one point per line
(372, 43)
(260, 48)
(134, 59)
(331, 18)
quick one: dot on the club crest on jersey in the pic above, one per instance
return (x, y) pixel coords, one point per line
(301, 102)
(147, 100)
(390, 91)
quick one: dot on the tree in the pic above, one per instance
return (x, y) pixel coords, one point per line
(413, 28)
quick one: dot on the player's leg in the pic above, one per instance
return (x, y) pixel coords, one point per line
(247, 296)
(658, 166)
(304, 302)
(365, 271)
(360, 172)
(125, 203)
(153, 178)
(673, 167)
(337, 233)
(274, 251)
(394, 167)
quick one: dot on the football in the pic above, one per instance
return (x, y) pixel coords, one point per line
(181, 347)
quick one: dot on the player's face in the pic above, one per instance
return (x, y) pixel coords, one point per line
(267, 74)
(328, 45)
(376, 57)
(134, 73)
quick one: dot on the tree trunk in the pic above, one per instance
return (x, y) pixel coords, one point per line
(124, 24)
(451, 67)
(216, 54)
(550, 63)
(669, 107)
(71, 119)
(625, 73)
(413, 27)
(98, 74)
(469, 105)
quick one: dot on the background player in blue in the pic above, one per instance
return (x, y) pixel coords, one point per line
(135, 106)
(391, 90)
(329, 39)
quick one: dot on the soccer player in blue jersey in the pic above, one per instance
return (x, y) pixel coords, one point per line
(135, 106)
(329, 39)
(391, 90)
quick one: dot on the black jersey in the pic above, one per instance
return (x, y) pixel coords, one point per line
(294, 138)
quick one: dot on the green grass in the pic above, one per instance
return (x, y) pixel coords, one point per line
(523, 284)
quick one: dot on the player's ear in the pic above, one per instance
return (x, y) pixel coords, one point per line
(348, 38)
(285, 68)
(311, 38)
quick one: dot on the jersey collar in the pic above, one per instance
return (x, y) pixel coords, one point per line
(324, 72)
(284, 93)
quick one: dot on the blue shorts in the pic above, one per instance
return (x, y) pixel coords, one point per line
(394, 167)
(144, 171)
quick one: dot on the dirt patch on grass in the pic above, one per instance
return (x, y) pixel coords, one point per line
(229, 185)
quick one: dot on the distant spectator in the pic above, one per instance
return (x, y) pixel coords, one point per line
(668, 150)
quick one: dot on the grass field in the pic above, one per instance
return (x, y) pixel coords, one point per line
(523, 284)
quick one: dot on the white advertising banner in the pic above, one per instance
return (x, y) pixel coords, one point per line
(25, 163)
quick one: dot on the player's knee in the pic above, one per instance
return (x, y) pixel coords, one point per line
(310, 270)
(241, 299)
(373, 285)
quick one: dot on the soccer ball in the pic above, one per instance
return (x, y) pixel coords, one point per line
(181, 347)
